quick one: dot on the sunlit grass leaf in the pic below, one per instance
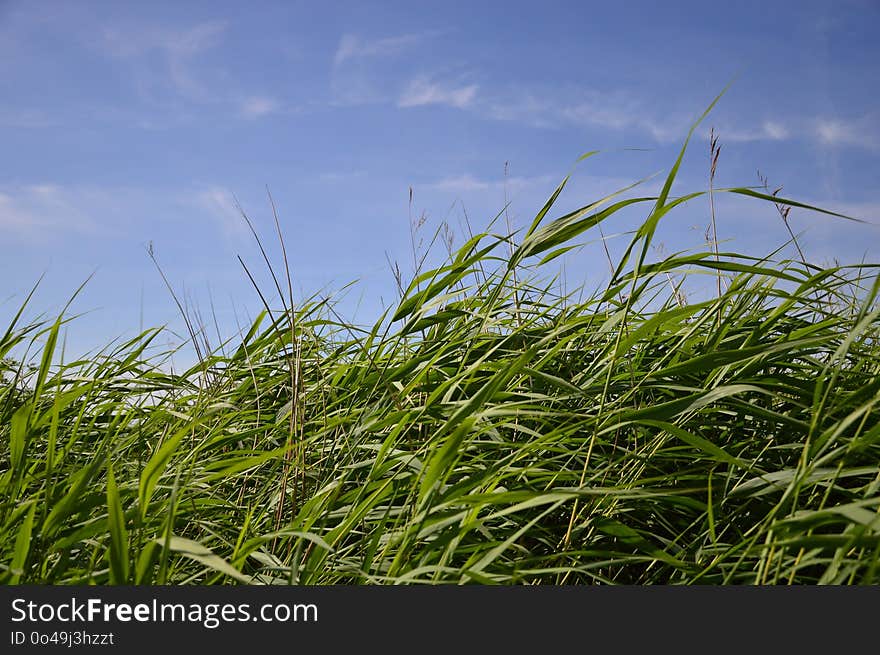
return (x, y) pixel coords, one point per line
(199, 553)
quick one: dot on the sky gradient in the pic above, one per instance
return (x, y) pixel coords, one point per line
(130, 124)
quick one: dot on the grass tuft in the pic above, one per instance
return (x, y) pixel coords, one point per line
(485, 430)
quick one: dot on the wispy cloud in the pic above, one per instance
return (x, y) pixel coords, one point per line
(355, 79)
(862, 132)
(257, 106)
(459, 184)
(46, 212)
(775, 131)
(596, 113)
(130, 42)
(335, 177)
(522, 107)
(352, 46)
(622, 111)
(14, 218)
(423, 91)
(466, 183)
(829, 132)
(767, 131)
(220, 205)
(183, 48)
(173, 63)
(178, 49)
(39, 212)
(25, 119)
(611, 110)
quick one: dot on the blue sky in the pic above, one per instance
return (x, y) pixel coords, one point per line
(125, 124)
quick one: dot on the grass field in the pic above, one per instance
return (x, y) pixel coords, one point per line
(485, 430)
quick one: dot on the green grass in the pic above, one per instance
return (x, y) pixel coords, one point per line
(485, 430)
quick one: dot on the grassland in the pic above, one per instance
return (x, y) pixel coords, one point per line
(484, 430)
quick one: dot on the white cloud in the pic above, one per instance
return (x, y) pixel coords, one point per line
(523, 107)
(836, 132)
(13, 217)
(340, 176)
(220, 205)
(459, 184)
(47, 191)
(195, 40)
(25, 119)
(422, 91)
(167, 61)
(767, 131)
(621, 111)
(829, 132)
(620, 118)
(355, 47)
(131, 42)
(612, 110)
(832, 132)
(257, 106)
(775, 131)
(46, 212)
(40, 211)
(467, 183)
(177, 47)
(593, 113)
(354, 82)
(182, 48)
